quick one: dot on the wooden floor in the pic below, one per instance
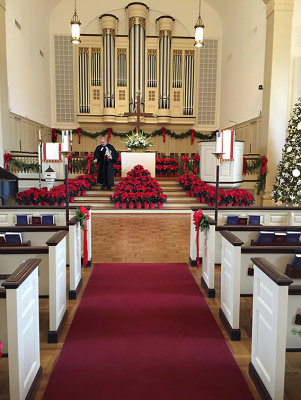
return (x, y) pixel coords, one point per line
(149, 238)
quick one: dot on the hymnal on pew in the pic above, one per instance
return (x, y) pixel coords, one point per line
(254, 220)
(36, 220)
(279, 237)
(297, 261)
(22, 219)
(293, 237)
(13, 238)
(47, 220)
(232, 220)
(266, 237)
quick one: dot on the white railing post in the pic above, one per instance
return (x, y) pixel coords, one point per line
(89, 239)
(230, 284)
(270, 303)
(22, 302)
(208, 261)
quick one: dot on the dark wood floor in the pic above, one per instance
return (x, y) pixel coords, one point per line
(150, 238)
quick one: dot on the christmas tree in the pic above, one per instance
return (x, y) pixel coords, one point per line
(287, 188)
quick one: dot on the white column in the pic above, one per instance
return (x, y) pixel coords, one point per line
(4, 121)
(276, 84)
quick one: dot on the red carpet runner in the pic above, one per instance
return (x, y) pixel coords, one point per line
(144, 332)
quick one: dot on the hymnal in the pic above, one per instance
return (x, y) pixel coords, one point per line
(254, 220)
(232, 220)
(297, 261)
(265, 237)
(242, 220)
(13, 238)
(293, 237)
(279, 237)
(22, 219)
(47, 219)
(36, 220)
(2, 238)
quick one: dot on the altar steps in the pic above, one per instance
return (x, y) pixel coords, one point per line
(99, 199)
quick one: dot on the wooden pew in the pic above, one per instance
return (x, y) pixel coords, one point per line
(269, 216)
(235, 280)
(8, 217)
(39, 234)
(271, 326)
(247, 233)
(19, 315)
(52, 275)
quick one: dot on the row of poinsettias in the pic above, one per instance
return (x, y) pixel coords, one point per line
(138, 189)
(164, 167)
(207, 194)
(57, 195)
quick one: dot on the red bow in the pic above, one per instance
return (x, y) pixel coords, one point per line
(69, 162)
(89, 159)
(7, 158)
(197, 218)
(264, 162)
(244, 160)
(109, 134)
(83, 210)
(79, 131)
(163, 129)
(196, 164)
(53, 135)
(192, 135)
(185, 160)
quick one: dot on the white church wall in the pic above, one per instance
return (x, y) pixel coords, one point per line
(243, 51)
(296, 56)
(28, 59)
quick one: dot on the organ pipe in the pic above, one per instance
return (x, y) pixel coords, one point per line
(84, 94)
(188, 82)
(152, 68)
(95, 67)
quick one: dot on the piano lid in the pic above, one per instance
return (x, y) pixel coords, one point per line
(7, 176)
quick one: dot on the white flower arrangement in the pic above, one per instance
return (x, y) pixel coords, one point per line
(137, 141)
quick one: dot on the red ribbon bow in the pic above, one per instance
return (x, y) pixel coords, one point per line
(192, 135)
(109, 134)
(69, 162)
(185, 160)
(79, 131)
(264, 162)
(197, 218)
(89, 159)
(196, 164)
(7, 158)
(83, 210)
(244, 160)
(53, 135)
(163, 129)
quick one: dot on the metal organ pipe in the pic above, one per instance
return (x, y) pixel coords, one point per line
(189, 83)
(84, 94)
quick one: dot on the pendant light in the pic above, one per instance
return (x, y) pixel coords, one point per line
(199, 30)
(75, 27)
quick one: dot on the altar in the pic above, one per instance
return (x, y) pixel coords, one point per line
(130, 159)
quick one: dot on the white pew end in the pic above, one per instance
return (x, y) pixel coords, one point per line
(22, 305)
(270, 302)
(74, 258)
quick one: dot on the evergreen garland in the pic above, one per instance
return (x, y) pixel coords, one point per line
(26, 166)
(287, 187)
(123, 135)
(253, 165)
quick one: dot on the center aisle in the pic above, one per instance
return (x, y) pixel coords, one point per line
(145, 332)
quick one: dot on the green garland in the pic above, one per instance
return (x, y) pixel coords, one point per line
(296, 332)
(253, 165)
(26, 166)
(158, 132)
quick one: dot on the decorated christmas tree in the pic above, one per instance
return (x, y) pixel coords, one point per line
(287, 188)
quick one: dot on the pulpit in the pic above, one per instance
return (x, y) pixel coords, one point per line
(230, 169)
(129, 159)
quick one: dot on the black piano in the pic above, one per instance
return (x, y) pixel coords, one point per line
(8, 185)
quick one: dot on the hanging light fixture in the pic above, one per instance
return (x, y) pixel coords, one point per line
(199, 30)
(75, 27)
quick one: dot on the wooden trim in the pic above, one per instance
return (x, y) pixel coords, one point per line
(54, 335)
(293, 350)
(252, 228)
(18, 277)
(32, 389)
(272, 272)
(249, 208)
(56, 238)
(270, 249)
(24, 250)
(234, 240)
(291, 272)
(234, 334)
(210, 292)
(258, 383)
(33, 228)
(72, 221)
(73, 293)
(294, 290)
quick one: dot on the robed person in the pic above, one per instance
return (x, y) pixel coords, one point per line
(105, 156)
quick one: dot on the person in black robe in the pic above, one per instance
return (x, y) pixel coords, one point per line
(105, 156)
